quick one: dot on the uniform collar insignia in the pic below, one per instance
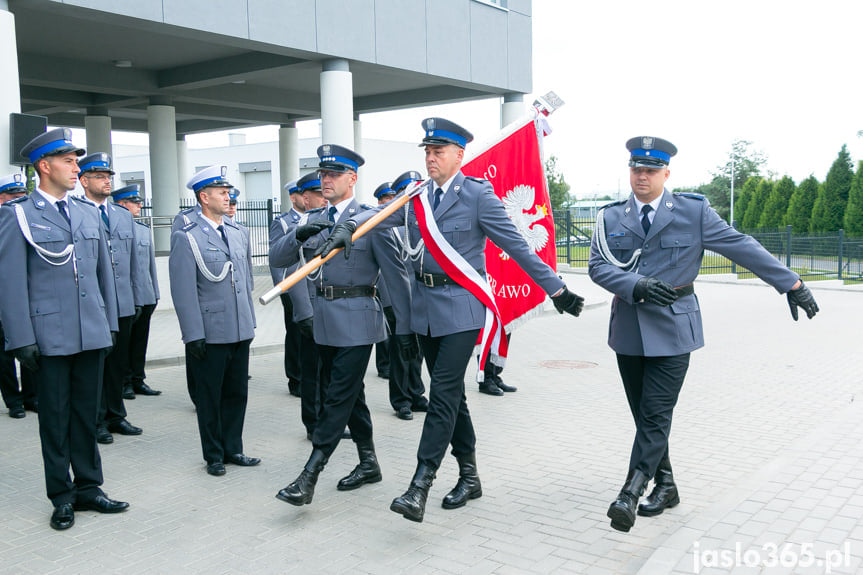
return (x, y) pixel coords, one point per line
(669, 205)
(626, 211)
(40, 203)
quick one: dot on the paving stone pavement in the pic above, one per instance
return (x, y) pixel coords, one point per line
(766, 451)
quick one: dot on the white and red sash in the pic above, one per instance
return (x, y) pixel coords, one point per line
(455, 266)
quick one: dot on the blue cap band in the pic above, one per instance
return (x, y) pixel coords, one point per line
(641, 153)
(125, 195)
(95, 164)
(340, 159)
(15, 185)
(49, 147)
(310, 184)
(460, 140)
(404, 182)
(385, 192)
(207, 182)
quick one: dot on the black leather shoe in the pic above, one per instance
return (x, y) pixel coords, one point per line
(622, 510)
(664, 495)
(17, 412)
(216, 468)
(144, 389)
(123, 427)
(302, 489)
(404, 412)
(32, 406)
(467, 486)
(490, 388)
(421, 405)
(242, 460)
(504, 387)
(368, 470)
(103, 436)
(63, 517)
(128, 392)
(102, 504)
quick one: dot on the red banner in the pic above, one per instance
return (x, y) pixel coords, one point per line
(514, 167)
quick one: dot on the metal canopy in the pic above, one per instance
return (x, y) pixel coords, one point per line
(71, 64)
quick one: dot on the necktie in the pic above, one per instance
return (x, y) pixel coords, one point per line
(224, 237)
(645, 218)
(61, 207)
(104, 217)
(332, 214)
(438, 194)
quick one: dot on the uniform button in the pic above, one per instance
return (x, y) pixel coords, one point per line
(676, 242)
(83, 294)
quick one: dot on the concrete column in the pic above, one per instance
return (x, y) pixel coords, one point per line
(337, 103)
(97, 124)
(361, 190)
(184, 172)
(162, 127)
(511, 108)
(10, 95)
(289, 160)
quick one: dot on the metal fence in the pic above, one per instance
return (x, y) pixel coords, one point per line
(257, 215)
(814, 256)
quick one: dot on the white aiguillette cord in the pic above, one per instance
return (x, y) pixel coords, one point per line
(66, 254)
(605, 251)
(210, 276)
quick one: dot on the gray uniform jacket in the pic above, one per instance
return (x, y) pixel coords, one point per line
(43, 303)
(218, 312)
(145, 283)
(352, 321)
(683, 227)
(468, 213)
(123, 256)
(299, 292)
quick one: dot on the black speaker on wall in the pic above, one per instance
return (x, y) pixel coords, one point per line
(22, 129)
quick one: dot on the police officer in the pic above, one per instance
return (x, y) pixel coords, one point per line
(348, 320)
(447, 316)
(278, 228)
(95, 176)
(60, 321)
(145, 287)
(406, 389)
(382, 353)
(17, 400)
(210, 271)
(647, 251)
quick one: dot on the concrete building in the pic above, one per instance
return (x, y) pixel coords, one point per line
(177, 67)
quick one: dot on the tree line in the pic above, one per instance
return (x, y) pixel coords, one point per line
(765, 201)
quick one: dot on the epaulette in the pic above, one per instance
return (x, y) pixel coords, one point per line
(698, 197)
(187, 210)
(142, 224)
(230, 222)
(121, 206)
(617, 203)
(316, 210)
(188, 226)
(477, 180)
(16, 200)
(83, 200)
(366, 207)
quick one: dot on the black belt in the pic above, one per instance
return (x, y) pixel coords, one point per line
(688, 289)
(332, 292)
(435, 280)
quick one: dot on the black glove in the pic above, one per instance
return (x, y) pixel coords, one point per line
(310, 229)
(197, 349)
(802, 297)
(568, 302)
(307, 328)
(340, 237)
(138, 311)
(28, 356)
(408, 346)
(655, 291)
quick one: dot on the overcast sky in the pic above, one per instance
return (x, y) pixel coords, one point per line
(782, 74)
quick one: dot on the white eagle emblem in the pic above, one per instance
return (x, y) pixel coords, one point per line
(517, 202)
